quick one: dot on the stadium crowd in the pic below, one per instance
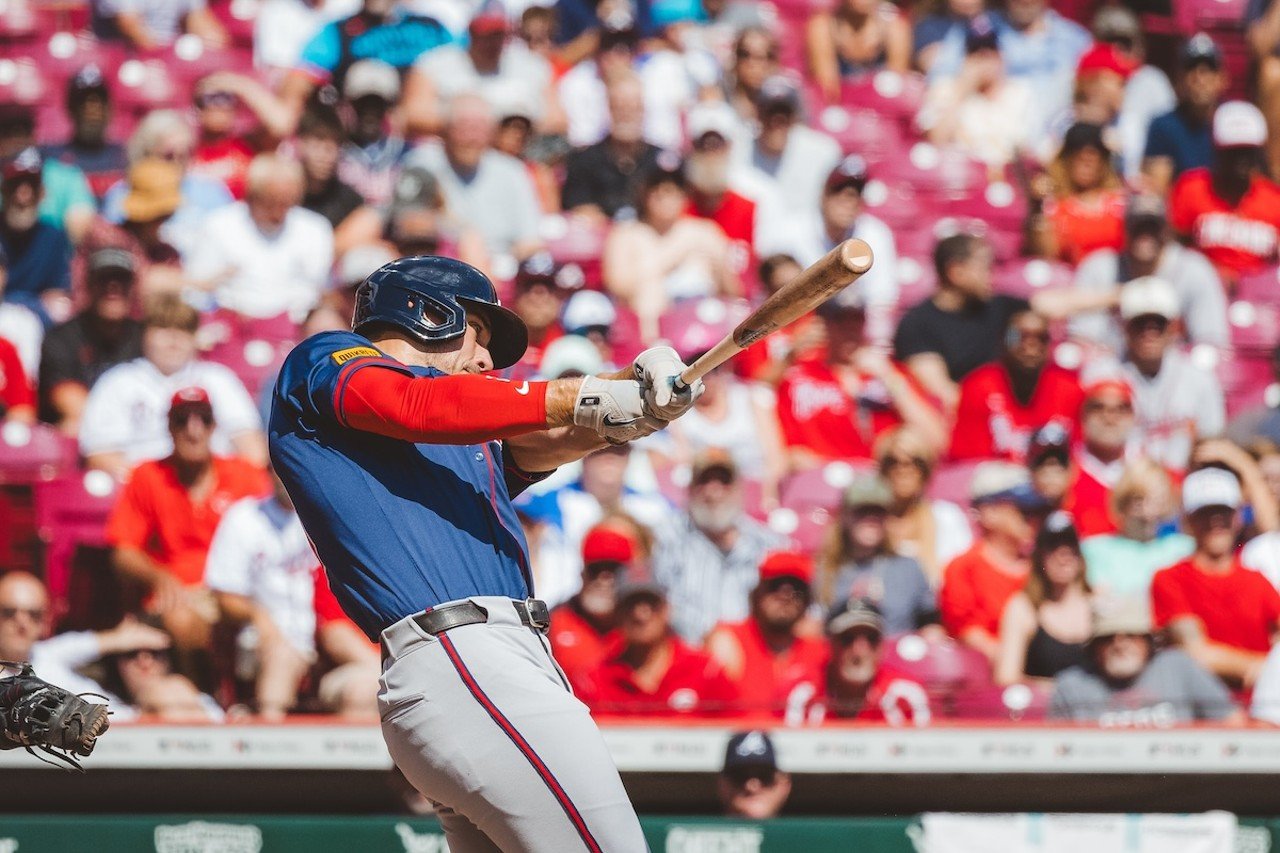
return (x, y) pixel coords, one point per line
(1027, 468)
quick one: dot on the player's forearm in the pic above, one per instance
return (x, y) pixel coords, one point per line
(547, 450)
(1227, 662)
(131, 562)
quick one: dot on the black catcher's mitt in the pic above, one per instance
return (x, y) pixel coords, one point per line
(37, 715)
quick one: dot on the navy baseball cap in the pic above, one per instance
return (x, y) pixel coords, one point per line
(1200, 49)
(981, 34)
(751, 750)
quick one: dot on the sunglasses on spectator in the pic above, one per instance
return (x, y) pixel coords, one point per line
(1149, 323)
(1040, 336)
(136, 654)
(792, 587)
(1092, 408)
(767, 56)
(182, 418)
(891, 462)
(35, 614)
(171, 155)
(848, 638)
(740, 776)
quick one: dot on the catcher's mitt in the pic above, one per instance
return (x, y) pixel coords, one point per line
(37, 715)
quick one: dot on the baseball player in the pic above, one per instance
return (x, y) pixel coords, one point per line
(401, 453)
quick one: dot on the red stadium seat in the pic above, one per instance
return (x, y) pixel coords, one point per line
(23, 82)
(1192, 15)
(71, 513)
(861, 131)
(1024, 276)
(1260, 287)
(888, 93)
(1246, 380)
(580, 241)
(950, 482)
(937, 171)
(947, 669)
(624, 335)
(699, 324)
(811, 502)
(18, 21)
(1255, 326)
(896, 204)
(28, 455)
(1015, 703)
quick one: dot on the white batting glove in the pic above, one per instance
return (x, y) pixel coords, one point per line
(657, 369)
(615, 409)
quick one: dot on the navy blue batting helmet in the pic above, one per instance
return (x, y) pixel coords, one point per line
(428, 296)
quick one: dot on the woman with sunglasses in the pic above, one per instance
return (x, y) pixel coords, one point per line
(932, 532)
(1044, 628)
(144, 680)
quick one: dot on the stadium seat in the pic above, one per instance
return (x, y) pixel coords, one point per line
(1254, 325)
(28, 455)
(947, 669)
(1024, 276)
(898, 96)
(71, 513)
(1246, 380)
(950, 482)
(1260, 287)
(577, 240)
(23, 82)
(989, 703)
(896, 204)
(693, 324)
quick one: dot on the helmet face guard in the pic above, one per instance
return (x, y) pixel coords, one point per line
(428, 297)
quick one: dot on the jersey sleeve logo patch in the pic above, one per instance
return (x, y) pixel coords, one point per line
(342, 356)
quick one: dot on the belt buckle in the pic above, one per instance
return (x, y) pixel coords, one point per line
(539, 615)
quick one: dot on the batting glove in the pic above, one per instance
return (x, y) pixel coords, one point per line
(657, 370)
(615, 409)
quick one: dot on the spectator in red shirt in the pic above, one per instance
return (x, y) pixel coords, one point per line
(17, 398)
(711, 131)
(857, 686)
(765, 655)
(1231, 211)
(1085, 208)
(650, 671)
(1223, 615)
(163, 523)
(220, 153)
(1002, 403)
(751, 786)
(584, 628)
(1107, 429)
(978, 584)
(836, 408)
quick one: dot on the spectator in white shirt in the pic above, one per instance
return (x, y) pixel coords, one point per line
(283, 27)
(125, 419)
(260, 567)
(789, 162)
(266, 255)
(483, 188)
(24, 618)
(842, 215)
(501, 69)
(1176, 401)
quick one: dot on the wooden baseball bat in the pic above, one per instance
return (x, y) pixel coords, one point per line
(830, 274)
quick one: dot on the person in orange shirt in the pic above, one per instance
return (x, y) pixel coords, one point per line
(765, 655)
(584, 627)
(978, 584)
(164, 520)
(1085, 211)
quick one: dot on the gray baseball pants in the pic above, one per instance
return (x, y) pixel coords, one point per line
(481, 720)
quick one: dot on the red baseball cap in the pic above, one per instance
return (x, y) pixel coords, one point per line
(190, 397)
(787, 564)
(1109, 383)
(1106, 57)
(607, 545)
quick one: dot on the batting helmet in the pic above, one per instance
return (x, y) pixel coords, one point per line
(428, 297)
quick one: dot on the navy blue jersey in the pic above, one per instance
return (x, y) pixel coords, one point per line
(399, 527)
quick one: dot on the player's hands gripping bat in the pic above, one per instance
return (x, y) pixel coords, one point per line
(615, 409)
(657, 370)
(836, 270)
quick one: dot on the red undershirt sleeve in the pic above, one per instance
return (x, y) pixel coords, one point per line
(462, 409)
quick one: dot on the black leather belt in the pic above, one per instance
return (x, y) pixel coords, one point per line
(532, 612)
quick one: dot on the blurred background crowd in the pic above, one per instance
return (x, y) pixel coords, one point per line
(1028, 468)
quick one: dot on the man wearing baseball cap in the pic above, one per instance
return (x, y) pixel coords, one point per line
(1108, 442)
(836, 407)
(841, 214)
(1176, 400)
(856, 685)
(751, 786)
(165, 517)
(1231, 210)
(714, 130)
(978, 584)
(789, 162)
(1127, 681)
(88, 104)
(1182, 140)
(542, 285)
(1224, 615)
(765, 655)
(77, 352)
(1004, 401)
(38, 251)
(650, 671)
(585, 627)
(1150, 250)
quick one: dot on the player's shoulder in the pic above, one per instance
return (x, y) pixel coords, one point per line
(336, 347)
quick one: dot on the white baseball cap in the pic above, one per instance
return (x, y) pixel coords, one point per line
(588, 308)
(1210, 487)
(1149, 295)
(372, 77)
(1239, 124)
(708, 117)
(570, 353)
